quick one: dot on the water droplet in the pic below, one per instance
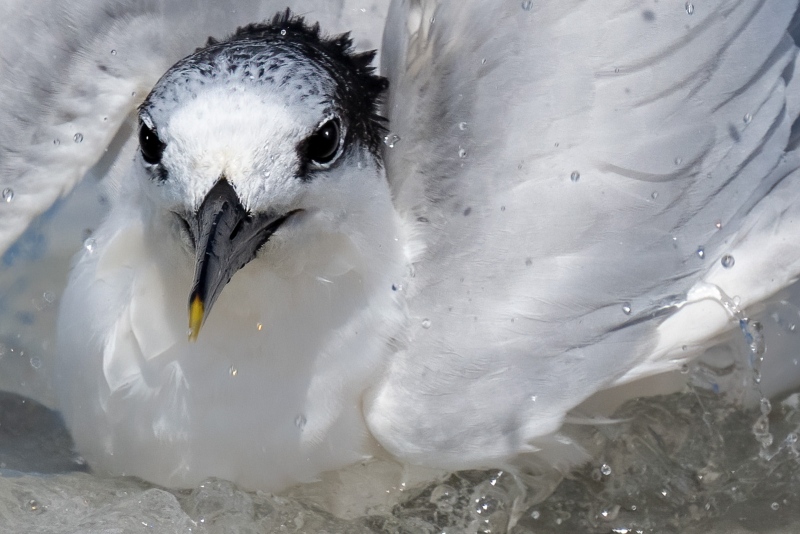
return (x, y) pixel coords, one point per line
(462, 153)
(689, 8)
(575, 176)
(8, 194)
(747, 118)
(718, 225)
(605, 469)
(283, 32)
(626, 308)
(49, 297)
(300, 421)
(433, 19)
(534, 397)
(654, 195)
(445, 497)
(89, 245)
(33, 505)
(774, 506)
(678, 161)
(113, 52)
(391, 140)
(766, 406)
(527, 4)
(535, 514)
(36, 363)
(528, 262)
(259, 326)
(483, 61)
(233, 371)
(426, 323)
(727, 261)
(78, 137)
(610, 514)
(556, 144)
(462, 126)
(105, 119)
(701, 252)
(616, 70)
(685, 369)
(56, 142)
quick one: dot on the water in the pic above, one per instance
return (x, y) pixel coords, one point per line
(727, 261)
(391, 140)
(683, 463)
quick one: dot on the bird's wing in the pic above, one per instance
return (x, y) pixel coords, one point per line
(568, 172)
(71, 73)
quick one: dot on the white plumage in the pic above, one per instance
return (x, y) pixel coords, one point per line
(561, 184)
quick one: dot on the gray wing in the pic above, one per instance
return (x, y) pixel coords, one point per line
(572, 174)
(72, 73)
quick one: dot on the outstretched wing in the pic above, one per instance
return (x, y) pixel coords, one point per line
(71, 73)
(569, 171)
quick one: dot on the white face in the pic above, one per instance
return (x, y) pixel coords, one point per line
(253, 138)
(254, 152)
(250, 139)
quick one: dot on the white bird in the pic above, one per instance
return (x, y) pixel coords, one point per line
(569, 197)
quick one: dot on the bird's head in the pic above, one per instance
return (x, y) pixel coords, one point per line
(273, 126)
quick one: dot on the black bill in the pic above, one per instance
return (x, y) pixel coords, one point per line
(226, 238)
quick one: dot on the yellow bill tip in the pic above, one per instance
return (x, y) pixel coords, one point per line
(196, 310)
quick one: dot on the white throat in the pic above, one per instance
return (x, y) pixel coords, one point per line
(304, 325)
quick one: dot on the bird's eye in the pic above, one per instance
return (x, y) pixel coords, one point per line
(152, 147)
(322, 145)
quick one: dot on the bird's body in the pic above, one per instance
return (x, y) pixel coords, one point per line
(548, 218)
(296, 333)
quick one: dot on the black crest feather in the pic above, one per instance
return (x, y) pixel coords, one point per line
(361, 88)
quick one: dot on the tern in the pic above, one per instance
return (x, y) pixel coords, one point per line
(306, 264)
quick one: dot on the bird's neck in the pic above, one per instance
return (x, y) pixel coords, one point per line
(289, 347)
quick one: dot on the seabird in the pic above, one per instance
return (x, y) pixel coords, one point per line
(564, 199)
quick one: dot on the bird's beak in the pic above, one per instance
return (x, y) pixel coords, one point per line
(226, 238)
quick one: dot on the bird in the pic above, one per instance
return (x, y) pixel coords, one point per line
(306, 263)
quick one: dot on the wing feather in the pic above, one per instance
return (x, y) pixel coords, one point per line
(570, 172)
